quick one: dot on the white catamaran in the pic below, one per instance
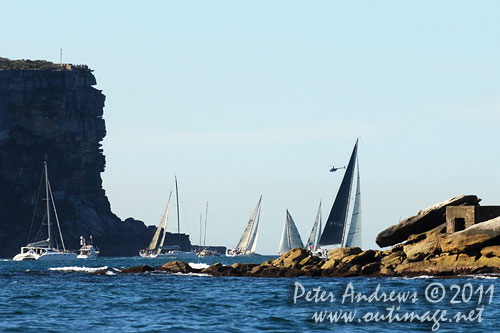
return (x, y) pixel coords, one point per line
(290, 238)
(46, 249)
(248, 241)
(338, 232)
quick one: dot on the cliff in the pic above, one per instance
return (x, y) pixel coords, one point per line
(54, 113)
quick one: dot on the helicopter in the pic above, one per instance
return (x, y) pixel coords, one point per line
(333, 168)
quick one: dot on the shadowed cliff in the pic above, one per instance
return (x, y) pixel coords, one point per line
(51, 112)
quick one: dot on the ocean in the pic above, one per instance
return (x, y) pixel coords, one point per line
(66, 296)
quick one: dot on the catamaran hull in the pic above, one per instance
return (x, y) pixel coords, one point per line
(45, 257)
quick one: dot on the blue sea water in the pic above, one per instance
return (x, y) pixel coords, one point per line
(66, 296)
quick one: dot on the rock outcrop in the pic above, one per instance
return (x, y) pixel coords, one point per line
(430, 251)
(54, 113)
(425, 220)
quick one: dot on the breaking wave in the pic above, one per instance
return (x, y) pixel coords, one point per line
(79, 269)
(198, 265)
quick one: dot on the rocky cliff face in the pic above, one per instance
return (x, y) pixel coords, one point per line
(55, 114)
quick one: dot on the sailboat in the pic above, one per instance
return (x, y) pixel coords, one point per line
(337, 231)
(154, 248)
(312, 242)
(290, 238)
(46, 249)
(248, 241)
(205, 251)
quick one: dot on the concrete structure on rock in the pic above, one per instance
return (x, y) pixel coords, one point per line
(459, 218)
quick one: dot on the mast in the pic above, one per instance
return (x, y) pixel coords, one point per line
(201, 218)
(57, 218)
(335, 225)
(205, 235)
(178, 218)
(47, 201)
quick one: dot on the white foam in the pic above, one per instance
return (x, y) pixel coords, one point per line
(417, 277)
(198, 265)
(110, 273)
(191, 274)
(79, 269)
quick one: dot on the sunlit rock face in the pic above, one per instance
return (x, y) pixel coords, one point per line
(55, 113)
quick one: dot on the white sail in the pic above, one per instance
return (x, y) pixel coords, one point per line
(354, 235)
(316, 245)
(285, 239)
(312, 241)
(293, 233)
(255, 235)
(245, 238)
(165, 221)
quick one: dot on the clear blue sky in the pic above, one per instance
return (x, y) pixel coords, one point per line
(241, 99)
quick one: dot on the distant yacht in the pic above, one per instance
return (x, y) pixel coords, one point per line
(248, 241)
(87, 251)
(312, 242)
(46, 249)
(337, 231)
(155, 249)
(290, 238)
(204, 251)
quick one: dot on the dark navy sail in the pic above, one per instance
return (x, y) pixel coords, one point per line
(335, 225)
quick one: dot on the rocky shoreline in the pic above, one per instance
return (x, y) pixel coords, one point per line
(421, 247)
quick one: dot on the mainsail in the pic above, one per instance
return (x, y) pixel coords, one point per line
(354, 235)
(312, 242)
(290, 237)
(244, 243)
(335, 224)
(255, 236)
(161, 226)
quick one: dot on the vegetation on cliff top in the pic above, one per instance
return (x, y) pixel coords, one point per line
(26, 64)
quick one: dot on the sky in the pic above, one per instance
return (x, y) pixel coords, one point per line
(240, 99)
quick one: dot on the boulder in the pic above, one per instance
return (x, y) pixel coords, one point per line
(311, 261)
(341, 252)
(491, 251)
(425, 220)
(218, 269)
(393, 259)
(330, 263)
(430, 245)
(137, 269)
(267, 262)
(362, 258)
(478, 235)
(370, 268)
(271, 272)
(446, 264)
(178, 267)
(312, 270)
(243, 268)
(292, 258)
